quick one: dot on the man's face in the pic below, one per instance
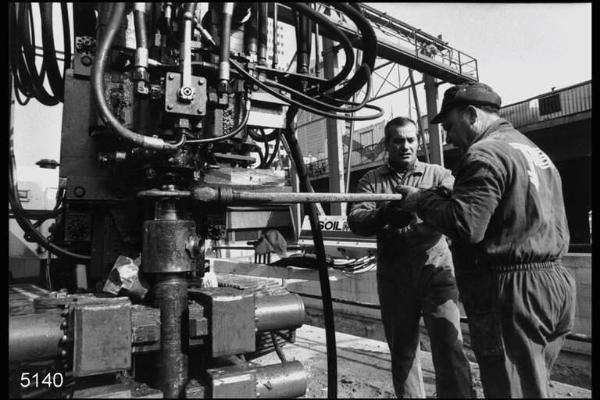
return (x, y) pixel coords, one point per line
(460, 130)
(402, 145)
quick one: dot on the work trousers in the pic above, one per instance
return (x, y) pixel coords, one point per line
(429, 290)
(518, 320)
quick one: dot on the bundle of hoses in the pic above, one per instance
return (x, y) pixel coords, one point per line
(322, 100)
(28, 79)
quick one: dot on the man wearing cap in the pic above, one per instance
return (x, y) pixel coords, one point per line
(414, 271)
(506, 220)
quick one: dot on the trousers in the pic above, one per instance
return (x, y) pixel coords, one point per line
(518, 321)
(429, 290)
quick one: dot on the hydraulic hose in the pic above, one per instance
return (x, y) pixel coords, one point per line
(262, 137)
(21, 217)
(263, 9)
(251, 33)
(102, 55)
(338, 35)
(313, 110)
(277, 142)
(231, 134)
(369, 40)
(225, 46)
(50, 61)
(141, 37)
(185, 51)
(27, 78)
(318, 103)
(296, 154)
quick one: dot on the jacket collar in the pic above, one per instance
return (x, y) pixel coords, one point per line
(417, 168)
(498, 124)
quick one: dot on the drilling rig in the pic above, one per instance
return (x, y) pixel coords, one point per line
(166, 107)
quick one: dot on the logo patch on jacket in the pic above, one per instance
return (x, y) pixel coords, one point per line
(536, 158)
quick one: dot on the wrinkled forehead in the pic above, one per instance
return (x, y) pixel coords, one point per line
(403, 132)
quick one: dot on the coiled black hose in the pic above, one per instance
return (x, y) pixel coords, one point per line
(338, 35)
(369, 41)
(29, 81)
(50, 61)
(311, 210)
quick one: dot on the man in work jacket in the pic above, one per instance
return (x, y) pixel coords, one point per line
(506, 220)
(414, 271)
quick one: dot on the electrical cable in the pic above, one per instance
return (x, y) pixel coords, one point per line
(301, 170)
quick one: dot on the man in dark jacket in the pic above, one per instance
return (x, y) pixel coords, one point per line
(506, 220)
(414, 271)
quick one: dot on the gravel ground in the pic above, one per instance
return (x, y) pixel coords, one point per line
(364, 367)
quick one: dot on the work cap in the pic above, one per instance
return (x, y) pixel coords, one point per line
(475, 94)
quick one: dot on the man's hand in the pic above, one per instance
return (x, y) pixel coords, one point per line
(395, 216)
(411, 200)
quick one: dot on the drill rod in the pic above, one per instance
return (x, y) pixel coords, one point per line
(230, 196)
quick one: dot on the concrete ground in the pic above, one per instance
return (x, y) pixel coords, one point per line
(364, 367)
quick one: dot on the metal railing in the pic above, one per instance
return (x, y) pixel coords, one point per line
(360, 156)
(422, 44)
(571, 100)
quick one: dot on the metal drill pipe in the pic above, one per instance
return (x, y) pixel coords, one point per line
(171, 295)
(227, 195)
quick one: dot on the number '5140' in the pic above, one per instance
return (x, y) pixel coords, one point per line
(36, 380)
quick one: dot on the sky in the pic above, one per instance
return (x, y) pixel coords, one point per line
(523, 50)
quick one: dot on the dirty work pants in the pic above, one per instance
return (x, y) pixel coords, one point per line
(518, 320)
(430, 289)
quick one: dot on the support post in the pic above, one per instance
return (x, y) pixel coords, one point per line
(435, 140)
(335, 129)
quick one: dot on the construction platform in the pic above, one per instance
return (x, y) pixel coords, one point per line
(364, 367)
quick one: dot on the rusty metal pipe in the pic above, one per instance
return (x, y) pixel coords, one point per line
(171, 296)
(228, 195)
